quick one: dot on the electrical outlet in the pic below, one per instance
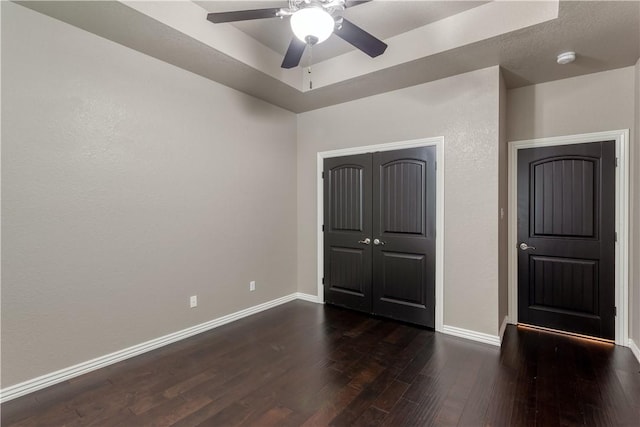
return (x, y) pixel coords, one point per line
(193, 301)
(252, 285)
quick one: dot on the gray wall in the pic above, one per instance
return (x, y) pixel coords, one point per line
(129, 185)
(634, 260)
(503, 255)
(591, 103)
(463, 109)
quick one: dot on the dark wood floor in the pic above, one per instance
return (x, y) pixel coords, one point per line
(307, 364)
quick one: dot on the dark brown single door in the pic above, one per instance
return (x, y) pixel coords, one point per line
(404, 229)
(566, 238)
(379, 233)
(347, 231)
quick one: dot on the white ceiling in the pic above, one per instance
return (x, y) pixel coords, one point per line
(427, 40)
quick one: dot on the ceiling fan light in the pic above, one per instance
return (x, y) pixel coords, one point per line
(312, 23)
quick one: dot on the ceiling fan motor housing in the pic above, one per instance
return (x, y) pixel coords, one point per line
(330, 6)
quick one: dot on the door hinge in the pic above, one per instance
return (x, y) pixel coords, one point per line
(436, 167)
(615, 311)
(615, 236)
(322, 227)
(323, 280)
(322, 175)
(616, 162)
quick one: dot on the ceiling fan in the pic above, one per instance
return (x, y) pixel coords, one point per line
(312, 22)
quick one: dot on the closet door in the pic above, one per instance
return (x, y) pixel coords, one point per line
(404, 227)
(347, 231)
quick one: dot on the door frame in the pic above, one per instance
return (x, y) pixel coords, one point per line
(621, 138)
(438, 142)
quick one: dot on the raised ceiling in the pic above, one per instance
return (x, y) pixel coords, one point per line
(372, 16)
(427, 40)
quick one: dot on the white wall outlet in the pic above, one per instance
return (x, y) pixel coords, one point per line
(252, 285)
(193, 301)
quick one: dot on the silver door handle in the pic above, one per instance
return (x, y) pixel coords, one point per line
(526, 247)
(378, 242)
(365, 241)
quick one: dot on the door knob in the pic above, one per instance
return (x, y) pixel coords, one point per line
(526, 247)
(378, 242)
(365, 241)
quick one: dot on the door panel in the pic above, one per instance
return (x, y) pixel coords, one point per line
(347, 221)
(566, 214)
(346, 198)
(402, 279)
(562, 283)
(564, 197)
(404, 201)
(347, 273)
(402, 197)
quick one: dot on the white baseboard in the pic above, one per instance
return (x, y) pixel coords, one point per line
(503, 327)
(56, 377)
(308, 297)
(634, 349)
(471, 335)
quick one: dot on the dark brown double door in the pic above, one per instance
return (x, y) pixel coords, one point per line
(379, 233)
(566, 238)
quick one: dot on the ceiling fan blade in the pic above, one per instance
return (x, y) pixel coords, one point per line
(352, 3)
(294, 53)
(359, 38)
(242, 15)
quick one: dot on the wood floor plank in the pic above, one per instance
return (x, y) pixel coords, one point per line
(431, 390)
(403, 413)
(547, 400)
(630, 385)
(101, 403)
(177, 409)
(571, 407)
(388, 398)
(524, 408)
(501, 403)
(121, 416)
(452, 406)
(315, 365)
(57, 415)
(424, 352)
(332, 407)
(371, 417)
(480, 392)
(370, 392)
(323, 400)
(273, 417)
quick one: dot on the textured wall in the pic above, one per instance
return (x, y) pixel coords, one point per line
(634, 261)
(463, 109)
(590, 103)
(503, 257)
(129, 185)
